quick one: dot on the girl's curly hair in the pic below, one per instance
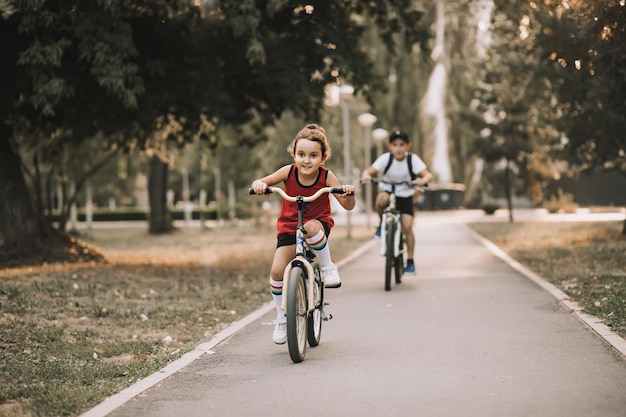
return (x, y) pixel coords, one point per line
(313, 133)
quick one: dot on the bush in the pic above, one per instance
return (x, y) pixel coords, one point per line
(489, 208)
(134, 214)
(561, 203)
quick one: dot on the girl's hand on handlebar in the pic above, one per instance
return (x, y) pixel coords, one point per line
(259, 187)
(348, 190)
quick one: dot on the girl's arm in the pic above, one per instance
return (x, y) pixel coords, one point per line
(346, 201)
(260, 184)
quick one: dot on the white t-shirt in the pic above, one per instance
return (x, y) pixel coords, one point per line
(398, 172)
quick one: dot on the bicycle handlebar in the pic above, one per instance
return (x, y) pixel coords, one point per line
(408, 183)
(270, 190)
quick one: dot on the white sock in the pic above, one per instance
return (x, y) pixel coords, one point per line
(319, 243)
(276, 287)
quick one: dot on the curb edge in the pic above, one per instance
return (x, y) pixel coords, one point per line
(594, 323)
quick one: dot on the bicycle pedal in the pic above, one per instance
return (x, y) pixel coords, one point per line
(326, 317)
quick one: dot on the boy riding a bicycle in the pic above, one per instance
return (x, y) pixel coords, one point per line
(310, 149)
(399, 165)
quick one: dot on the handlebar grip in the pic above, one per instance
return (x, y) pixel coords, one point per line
(268, 190)
(339, 190)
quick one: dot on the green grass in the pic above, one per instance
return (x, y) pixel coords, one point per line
(586, 260)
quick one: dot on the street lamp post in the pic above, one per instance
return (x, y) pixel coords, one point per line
(379, 136)
(345, 95)
(367, 120)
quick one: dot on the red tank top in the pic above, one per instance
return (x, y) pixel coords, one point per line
(318, 209)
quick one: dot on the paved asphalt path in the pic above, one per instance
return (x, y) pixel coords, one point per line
(468, 336)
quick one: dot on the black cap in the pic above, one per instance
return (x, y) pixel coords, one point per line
(399, 134)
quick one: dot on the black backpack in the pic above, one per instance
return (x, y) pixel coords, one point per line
(409, 160)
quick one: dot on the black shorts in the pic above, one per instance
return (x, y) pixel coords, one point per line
(405, 205)
(287, 239)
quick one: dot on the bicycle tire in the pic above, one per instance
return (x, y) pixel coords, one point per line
(297, 315)
(389, 253)
(314, 325)
(399, 261)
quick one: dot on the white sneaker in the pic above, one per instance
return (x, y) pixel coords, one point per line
(280, 331)
(331, 276)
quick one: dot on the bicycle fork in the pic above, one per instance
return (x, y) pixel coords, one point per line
(301, 261)
(396, 237)
(383, 234)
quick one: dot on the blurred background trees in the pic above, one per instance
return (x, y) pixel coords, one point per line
(122, 101)
(152, 77)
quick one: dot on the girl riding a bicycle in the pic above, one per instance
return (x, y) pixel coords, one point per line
(399, 165)
(309, 149)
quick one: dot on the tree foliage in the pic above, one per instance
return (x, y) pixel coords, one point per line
(583, 44)
(125, 73)
(566, 63)
(508, 91)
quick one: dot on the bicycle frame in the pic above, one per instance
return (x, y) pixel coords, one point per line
(392, 247)
(304, 321)
(391, 210)
(309, 263)
(394, 213)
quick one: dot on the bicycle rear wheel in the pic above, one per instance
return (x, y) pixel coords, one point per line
(296, 315)
(389, 255)
(314, 321)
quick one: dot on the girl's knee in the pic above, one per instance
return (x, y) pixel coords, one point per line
(282, 257)
(276, 274)
(312, 227)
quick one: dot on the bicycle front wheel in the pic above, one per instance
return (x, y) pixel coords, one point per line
(314, 324)
(399, 261)
(389, 253)
(297, 314)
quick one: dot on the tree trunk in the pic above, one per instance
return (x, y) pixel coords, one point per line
(509, 193)
(26, 237)
(160, 220)
(18, 216)
(624, 227)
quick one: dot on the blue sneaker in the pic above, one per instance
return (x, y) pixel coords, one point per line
(410, 268)
(377, 232)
